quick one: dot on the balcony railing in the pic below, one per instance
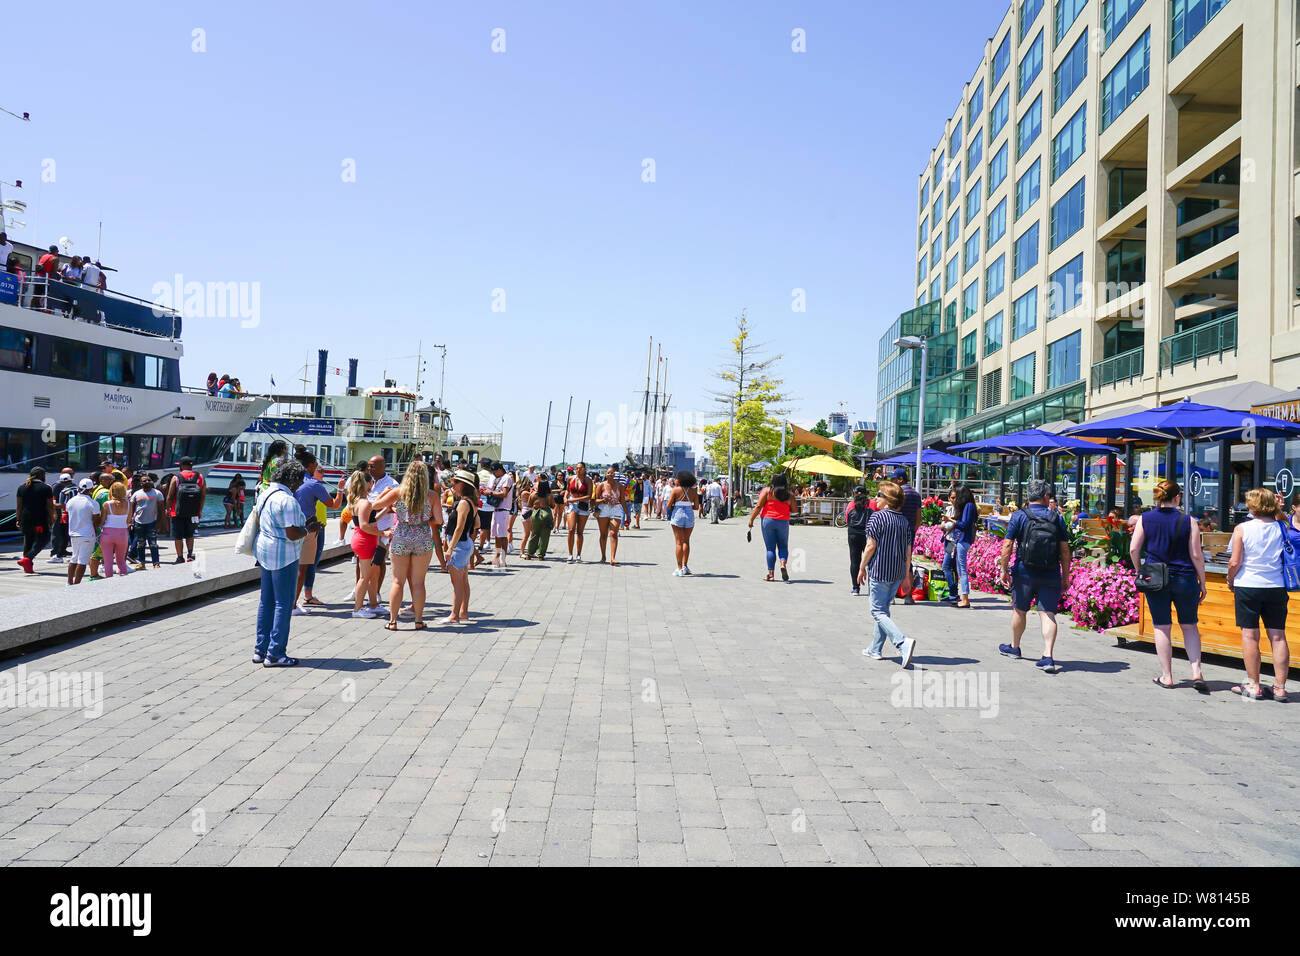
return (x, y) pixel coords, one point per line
(1212, 339)
(113, 310)
(1117, 369)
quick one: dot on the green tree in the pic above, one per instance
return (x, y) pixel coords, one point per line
(757, 398)
(821, 428)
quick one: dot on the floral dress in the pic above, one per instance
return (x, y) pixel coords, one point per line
(412, 534)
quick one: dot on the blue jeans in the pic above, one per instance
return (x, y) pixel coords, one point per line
(143, 535)
(776, 538)
(882, 595)
(274, 609)
(963, 576)
(309, 581)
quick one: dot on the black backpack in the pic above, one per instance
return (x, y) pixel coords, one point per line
(189, 495)
(1040, 543)
(858, 519)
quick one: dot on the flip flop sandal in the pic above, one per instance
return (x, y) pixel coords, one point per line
(770, 577)
(315, 602)
(1200, 686)
(785, 575)
(421, 626)
(1279, 697)
(1159, 683)
(1244, 691)
(390, 625)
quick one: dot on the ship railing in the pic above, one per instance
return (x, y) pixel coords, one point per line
(113, 310)
(470, 439)
(358, 429)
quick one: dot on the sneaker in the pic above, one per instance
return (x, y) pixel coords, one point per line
(569, 559)
(298, 610)
(577, 559)
(54, 559)
(1047, 665)
(179, 561)
(366, 612)
(686, 572)
(26, 565)
(407, 612)
(907, 650)
(868, 652)
(1006, 650)
(854, 592)
(280, 662)
(258, 658)
(190, 558)
(677, 573)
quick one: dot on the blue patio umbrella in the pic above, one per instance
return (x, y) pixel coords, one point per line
(1033, 442)
(929, 456)
(1187, 421)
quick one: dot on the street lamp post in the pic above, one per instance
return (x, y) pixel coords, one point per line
(918, 342)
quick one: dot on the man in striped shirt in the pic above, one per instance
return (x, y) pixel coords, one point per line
(885, 560)
(912, 512)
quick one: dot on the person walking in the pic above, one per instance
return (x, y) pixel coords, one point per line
(713, 494)
(960, 528)
(773, 507)
(501, 498)
(638, 498)
(35, 516)
(912, 512)
(886, 558)
(577, 502)
(281, 528)
(1041, 571)
(413, 503)
(681, 506)
(856, 516)
(1259, 592)
(462, 520)
(609, 515)
(1172, 539)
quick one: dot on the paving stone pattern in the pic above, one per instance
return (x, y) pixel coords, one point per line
(599, 715)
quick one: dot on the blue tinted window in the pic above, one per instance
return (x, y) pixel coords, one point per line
(1188, 18)
(954, 228)
(970, 300)
(997, 222)
(1071, 72)
(998, 169)
(975, 152)
(973, 202)
(993, 334)
(1029, 10)
(1026, 251)
(1063, 361)
(995, 278)
(976, 105)
(954, 141)
(954, 184)
(1001, 59)
(1067, 11)
(921, 270)
(1025, 314)
(1115, 15)
(1000, 113)
(1070, 142)
(1067, 216)
(1031, 64)
(1022, 377)
(1065, 288)
(1028, 188)
(1030, 125)
(972, 251)
(1126, 82)
(950, 279)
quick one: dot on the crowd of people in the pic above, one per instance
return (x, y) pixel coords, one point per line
(110, 521)
(451, 514)
(224, 386)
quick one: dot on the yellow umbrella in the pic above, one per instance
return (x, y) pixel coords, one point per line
(823, 465)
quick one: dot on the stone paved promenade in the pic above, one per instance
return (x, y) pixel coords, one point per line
(621, 715)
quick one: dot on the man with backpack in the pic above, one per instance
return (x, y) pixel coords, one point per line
(184, 506)
(1042, 569)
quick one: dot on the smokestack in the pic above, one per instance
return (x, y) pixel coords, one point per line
(322, 359)
(352, 373)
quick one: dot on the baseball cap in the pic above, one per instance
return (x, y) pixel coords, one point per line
(66, 477)
(899, 472)
(85, 484)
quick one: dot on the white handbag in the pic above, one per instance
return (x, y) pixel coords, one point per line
(247, 540)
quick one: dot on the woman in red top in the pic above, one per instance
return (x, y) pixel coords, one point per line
(773, 506)
(577, 499)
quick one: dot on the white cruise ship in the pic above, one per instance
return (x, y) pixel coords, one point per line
(89, 375)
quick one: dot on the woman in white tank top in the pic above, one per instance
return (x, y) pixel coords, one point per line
(1255, 579)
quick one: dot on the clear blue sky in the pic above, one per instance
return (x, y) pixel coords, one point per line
(519, 170)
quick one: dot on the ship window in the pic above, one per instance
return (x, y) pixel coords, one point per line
(149, 453)
(114, 447)
(230, 454)
(311, 450)
(70, 452)
(207, 448)
(157, 372)
(17, 349)
(70, 359)
(15, 447)
(242, 454)
(257, 453)
(119, 367)
(341, 456)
